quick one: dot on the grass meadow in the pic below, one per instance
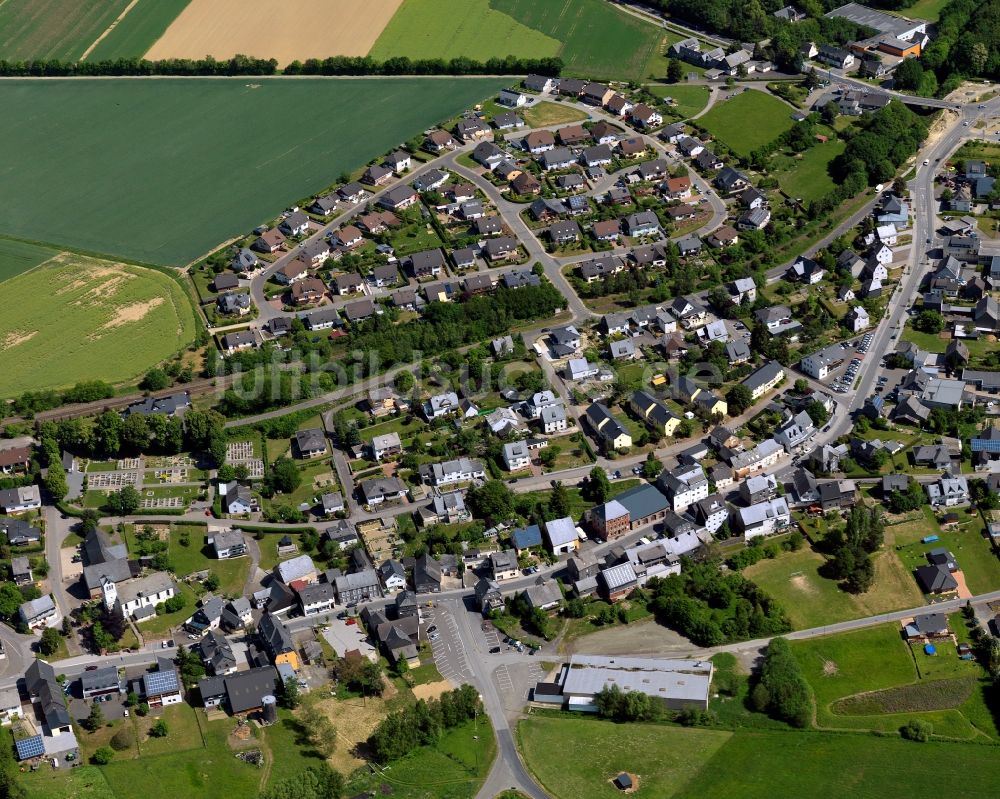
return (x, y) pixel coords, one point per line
(78, 318)
(684, 763)
(762, 765)
(18, 256)
(54, 29)
(811, 600)
(139, 30)
(593, 38)
(593, 751)
(168, 168)
(748, 121)
(808, 176)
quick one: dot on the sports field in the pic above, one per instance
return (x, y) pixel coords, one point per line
(591, 36)
(77, 318)
(17, 257)
(138, 30)
(282, 29)
(681, 763)
(53, 29)
(749, 120)
(163, 170)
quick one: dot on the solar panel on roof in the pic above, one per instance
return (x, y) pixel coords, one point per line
(30, 747)
(985, 445)
(160, 682)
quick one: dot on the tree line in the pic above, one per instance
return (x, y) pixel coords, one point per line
(109, 435)
(247, 65)
(401, 65)
(423, 723)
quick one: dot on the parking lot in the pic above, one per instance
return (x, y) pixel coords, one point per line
(343, 637)
(845, 382)
(446, 644)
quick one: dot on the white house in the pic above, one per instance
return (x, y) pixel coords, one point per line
(441, 405)
(512, 98)
(516, 455)
(553, 418)
(143, 592)
(562, 535)
(39, 612)
(763, 518)
(18, 500)
(857, 319)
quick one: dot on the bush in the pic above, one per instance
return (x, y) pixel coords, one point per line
(103, 756)
(122, 740)
(917, 730)
(158, 730)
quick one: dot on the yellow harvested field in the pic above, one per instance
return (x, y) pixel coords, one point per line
(286, 30)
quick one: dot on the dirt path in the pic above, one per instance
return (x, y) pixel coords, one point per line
(107, 30)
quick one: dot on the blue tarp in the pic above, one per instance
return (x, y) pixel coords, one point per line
(929, 649)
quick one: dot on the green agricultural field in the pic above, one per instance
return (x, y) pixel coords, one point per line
(690, 99)
(78, 318)
(449, 28)
(808, 175)
(811, 600)
(763, 765)
(138, 30)
(593, 751)
(18, 256)
(749, 120)
(593, 38)
(53, 29)
(190, 177)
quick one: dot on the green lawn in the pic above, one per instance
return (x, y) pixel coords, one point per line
(269, 549)
(593, 38)
(53, 29)
(85, 782)
(807, 176)
(811, 600)
(925, 9)
(197, 556)
(452, 769)
(875, 659)
(592, 751)
(115, 321)
(211, 772)
(543, 114)
(139, 30)
(748, 121)
(163, 623)
(18, 256)
(764, 765)
(690, 99)
(192, 162)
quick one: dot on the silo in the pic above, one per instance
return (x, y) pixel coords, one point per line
(270, 707)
